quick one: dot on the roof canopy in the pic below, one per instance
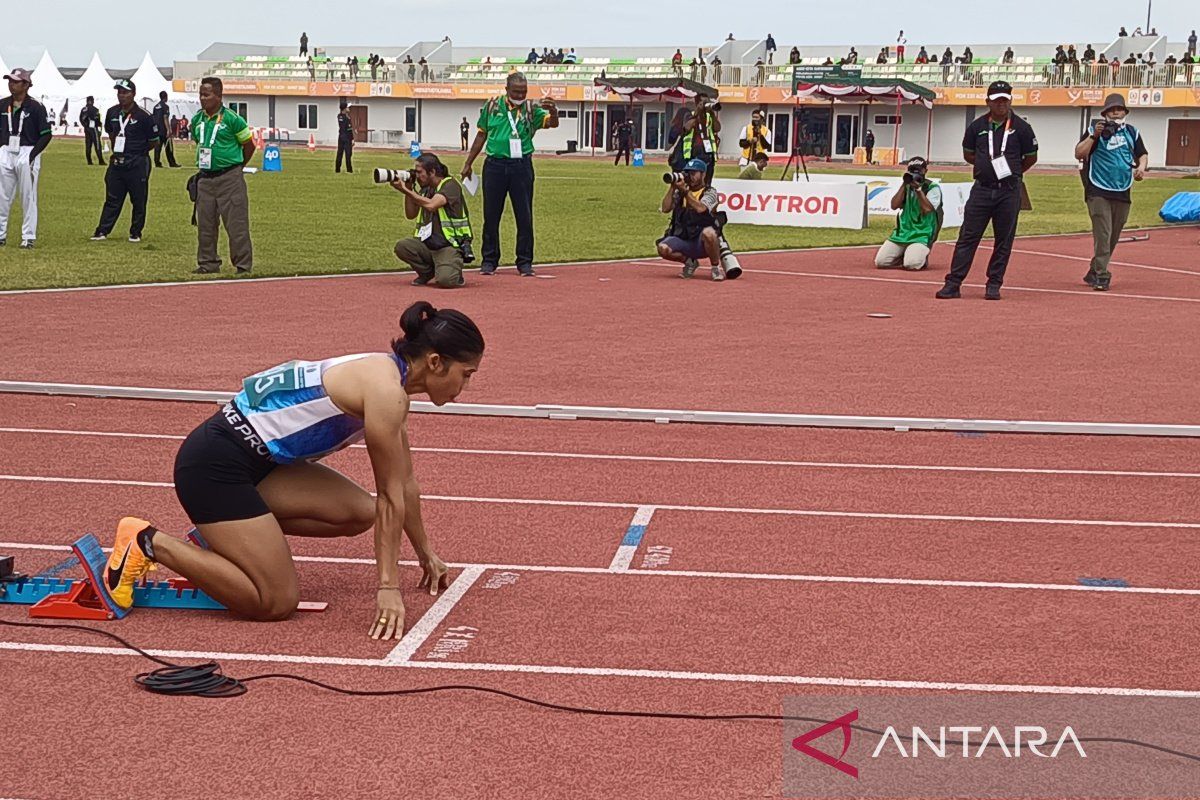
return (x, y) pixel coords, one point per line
(838, 83)
(677, 90)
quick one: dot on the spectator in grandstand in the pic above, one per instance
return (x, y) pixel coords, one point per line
(89, 120)
(1001, 147)
(131, 133)
(755, 169)
(312, 68)
(224, 145)
(1137, 31)
(443, 238)
(1191, 50)
(303, 43)
(506, 126)
(922, 56)
(882, 58)
(760, 72)
(901, 41)
(1008, 56)
(771, 48)
(425, 74)
(571, 58)
(25, 126)
(345, 144)
(919, 202)
(794, 55)
(532, 58)
(1113, 156)
(624, 133)
(373, 63)
(1123, 32)
(1089, 54)
(828, 62)
(869, 145)
(693, 70)
(716, 66)
(703, 68)
(695, 134)
(677, 64)
(329, 69)
(412, 68)
(162, 117)
(755, 138)
(694, 231)
(1188, 62)
(851, 57)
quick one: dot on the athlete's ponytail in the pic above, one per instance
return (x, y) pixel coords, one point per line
(449, 333)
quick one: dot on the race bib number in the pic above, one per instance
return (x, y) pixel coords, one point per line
(285, 377)
(204, 158)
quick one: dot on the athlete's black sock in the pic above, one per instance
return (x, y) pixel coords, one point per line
(144, 537)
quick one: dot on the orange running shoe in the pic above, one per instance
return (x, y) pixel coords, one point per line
(130, 559)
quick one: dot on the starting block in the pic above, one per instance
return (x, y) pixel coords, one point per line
(87, 599)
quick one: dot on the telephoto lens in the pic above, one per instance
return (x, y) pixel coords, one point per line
(733, 270)
(391, 175)
(672, 177)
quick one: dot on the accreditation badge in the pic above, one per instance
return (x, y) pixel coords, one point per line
(14, 144)
(119, 144)
(204, 158)
(515, 149)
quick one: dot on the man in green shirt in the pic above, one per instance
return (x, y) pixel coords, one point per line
(919, 202)
(224, 145)
(506, 127)
(755, 169)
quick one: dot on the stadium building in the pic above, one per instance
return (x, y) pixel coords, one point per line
(409, 101)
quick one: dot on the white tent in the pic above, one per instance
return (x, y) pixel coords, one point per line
(149, 82)
(94, 81)
(3, 66)
(49, 86)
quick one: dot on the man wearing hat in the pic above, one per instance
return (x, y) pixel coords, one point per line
(24, 133)
(132, 132)
(1001, 146)
(692, 203)
(89, 120)
(1113, 157)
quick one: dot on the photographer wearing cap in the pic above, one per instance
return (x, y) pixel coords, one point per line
(1113, 157)
(443, 239)
(1001, 146)
(919, 201)
(694, 230)
(131, 134)
(696, 133)
(756, 138)
(25, 131)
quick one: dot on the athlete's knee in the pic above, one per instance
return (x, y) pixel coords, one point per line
(277, 604)
(362, 514)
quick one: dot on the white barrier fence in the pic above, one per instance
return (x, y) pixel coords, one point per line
(880, 190)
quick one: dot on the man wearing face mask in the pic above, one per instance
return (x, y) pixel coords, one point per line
(506, 127)
(1113, 157)
(1002, 147)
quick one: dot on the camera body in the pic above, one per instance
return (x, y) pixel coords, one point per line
(464, 250)
(392, 175)
(1104, 129)
(913, 177)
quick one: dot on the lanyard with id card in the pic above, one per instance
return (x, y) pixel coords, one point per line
(516, 148)
(204, 154)
(119, 141)
(14, 136)
(1000, 163)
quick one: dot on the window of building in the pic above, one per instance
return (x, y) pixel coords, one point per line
(410, 119)
(240, 109)
(308, 116)
(884, 119)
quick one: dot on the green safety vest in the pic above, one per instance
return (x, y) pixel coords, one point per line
(689, 137)
(455, 229)
(912, 225)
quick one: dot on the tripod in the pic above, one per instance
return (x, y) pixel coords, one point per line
(797, 155)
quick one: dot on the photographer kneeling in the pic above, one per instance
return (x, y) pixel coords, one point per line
(443, 240)
(694, 230)
(917, 225)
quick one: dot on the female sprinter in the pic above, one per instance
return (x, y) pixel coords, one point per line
(248, 475)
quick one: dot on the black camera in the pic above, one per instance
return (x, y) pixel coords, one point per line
(1103, 129)
(464, 249)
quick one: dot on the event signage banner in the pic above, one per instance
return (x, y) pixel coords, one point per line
(799, 205)
(881, 189)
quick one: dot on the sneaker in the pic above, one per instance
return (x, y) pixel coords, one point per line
(129, 560)
(1101, 285)
(689, 268)
(527, 272)
(27, 244)
(992, 292)
(205, 271)
(1090, 278)
(3, 242)
(718, 274)
(99, 237)
(420, 281)
(948, 292)
(135, 239)
(487, 269)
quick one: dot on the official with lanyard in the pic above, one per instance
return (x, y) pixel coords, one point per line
(224, 145)
(25, 130)
(89, 120)
(1002, 147)
(506, 128)
(132, 133)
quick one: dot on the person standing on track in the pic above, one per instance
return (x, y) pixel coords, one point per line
(247, 477)
(1002, 147)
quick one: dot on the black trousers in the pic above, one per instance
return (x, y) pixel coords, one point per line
(622, 149)
(510, 178)
(91, 139)
(870, 153)
(345, 146)
(132, 178)
(158, 148)
(1000, 205)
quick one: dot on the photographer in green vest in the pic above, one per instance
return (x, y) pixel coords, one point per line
(919, 202)
(442, 243)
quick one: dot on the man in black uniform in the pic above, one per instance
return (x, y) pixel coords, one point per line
(464, 128)
(624, 141)
(131, 132)
(345, 139)
(162, 118)
(89, 120)
(1001, 146)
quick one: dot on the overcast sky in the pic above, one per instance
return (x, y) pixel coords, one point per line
(73, 29)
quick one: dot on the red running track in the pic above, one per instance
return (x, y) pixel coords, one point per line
(864, 581)
(792, 336)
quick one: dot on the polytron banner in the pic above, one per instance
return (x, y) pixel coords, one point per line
(799, 205)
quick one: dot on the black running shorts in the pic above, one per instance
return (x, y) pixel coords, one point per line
(218, 469)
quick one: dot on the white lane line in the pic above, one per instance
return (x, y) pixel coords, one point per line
(738, 576)
(790, 512)
(633, 538)
(748, 462)
(1113, 263)
(617, 672)
(427, 624)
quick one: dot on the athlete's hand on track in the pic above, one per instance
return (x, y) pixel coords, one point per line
(434, 575)
(389, 616)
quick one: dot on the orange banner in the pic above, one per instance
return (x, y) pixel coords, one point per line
(1074, 96)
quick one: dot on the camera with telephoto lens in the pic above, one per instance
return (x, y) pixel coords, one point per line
(672, 177)
(392, 175)
(464, 250)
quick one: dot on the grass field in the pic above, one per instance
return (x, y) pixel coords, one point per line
(309, 220)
